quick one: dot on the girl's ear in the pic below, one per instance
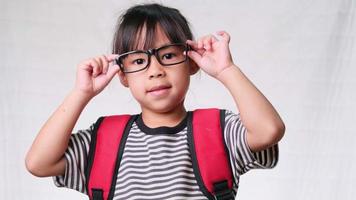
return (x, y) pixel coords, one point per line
(194, 68)
(123, 79)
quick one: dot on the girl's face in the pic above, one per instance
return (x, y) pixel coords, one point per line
(160, 88)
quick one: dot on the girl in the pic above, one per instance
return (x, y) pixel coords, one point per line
(154, 55)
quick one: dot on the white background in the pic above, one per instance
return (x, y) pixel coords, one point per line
(301, 54)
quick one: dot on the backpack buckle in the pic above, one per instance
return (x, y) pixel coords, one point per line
(222, 191)
(97, 194)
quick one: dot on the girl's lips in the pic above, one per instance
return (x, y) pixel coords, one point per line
(160, 87)
(159, 90)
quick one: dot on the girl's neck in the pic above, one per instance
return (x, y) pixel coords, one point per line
(157, 119)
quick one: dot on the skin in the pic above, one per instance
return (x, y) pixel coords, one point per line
(163, 108)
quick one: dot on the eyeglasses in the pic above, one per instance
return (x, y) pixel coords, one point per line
(139, 60)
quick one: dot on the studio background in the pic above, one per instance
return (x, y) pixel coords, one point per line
(301, 54)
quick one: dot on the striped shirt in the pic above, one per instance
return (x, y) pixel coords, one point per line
(156, 163)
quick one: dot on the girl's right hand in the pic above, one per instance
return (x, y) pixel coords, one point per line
(94, 74)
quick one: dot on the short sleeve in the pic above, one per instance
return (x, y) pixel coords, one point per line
(241, 157)
(76, 156)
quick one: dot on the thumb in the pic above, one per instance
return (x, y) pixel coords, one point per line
(111, 57)
(195, 56)
(113, 69)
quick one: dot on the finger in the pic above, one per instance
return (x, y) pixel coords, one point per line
(111, 57)
(225, 36)
(192, 44)
(113, 69)
(200, 44)
(214, 39)
(86, 66)
(99, 61)
(101, 65)
(195, 46)
(96, 67)
(105, 63)
(195, 56)
(207, 42)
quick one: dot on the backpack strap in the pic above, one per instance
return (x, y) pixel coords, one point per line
(210, 157)
(105, 153)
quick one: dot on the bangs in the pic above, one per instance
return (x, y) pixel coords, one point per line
(138, 26)
(142, 38)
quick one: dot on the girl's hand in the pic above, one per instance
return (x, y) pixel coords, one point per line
(212, 55)
(94, 74)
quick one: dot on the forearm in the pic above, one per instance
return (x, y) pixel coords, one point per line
(258, 115)
(263, 124)
(52, 140)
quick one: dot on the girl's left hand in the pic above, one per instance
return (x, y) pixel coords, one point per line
(212, 55)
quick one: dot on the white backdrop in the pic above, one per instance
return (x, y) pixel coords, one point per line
(301, 54)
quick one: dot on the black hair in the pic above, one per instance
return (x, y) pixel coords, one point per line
(147, 17)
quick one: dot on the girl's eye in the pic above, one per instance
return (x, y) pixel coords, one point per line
(168, 56)
(138, 61)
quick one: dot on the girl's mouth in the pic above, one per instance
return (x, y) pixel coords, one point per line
(159, 90)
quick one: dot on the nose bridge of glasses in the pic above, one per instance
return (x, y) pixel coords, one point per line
(154, 53)
(151, 52)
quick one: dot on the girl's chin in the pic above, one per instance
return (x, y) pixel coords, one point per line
(162, 107)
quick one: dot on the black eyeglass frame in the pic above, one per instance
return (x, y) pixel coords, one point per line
(152, 52)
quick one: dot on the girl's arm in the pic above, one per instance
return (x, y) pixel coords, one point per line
(46, 155)
(264, 126)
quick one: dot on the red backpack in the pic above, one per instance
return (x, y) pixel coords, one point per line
(210, 157)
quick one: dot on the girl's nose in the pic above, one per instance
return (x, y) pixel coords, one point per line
(155, 69)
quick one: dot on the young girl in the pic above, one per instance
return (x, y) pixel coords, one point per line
(154, 55)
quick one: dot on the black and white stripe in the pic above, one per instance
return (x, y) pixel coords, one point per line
(161, 167)
(241, 157)
(76, 155)
(158, 166)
